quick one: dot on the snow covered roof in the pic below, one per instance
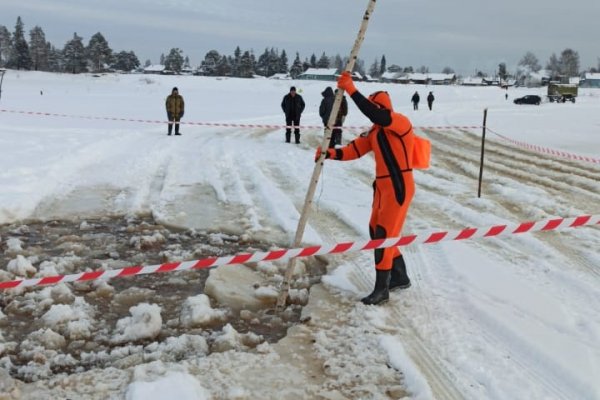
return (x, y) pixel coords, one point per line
(390, 75)
(155, 68)
(280, 76)
(440, 76)
(472, 80)
(592, 75)
(320, 71)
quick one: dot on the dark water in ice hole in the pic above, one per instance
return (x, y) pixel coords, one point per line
(112, 241)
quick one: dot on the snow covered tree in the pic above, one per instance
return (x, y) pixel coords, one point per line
(447, 70)
(313, 61)
(19, 57)
(38, 49)
(209, 65)
(359, 67)
(74, 55)
(530, 61)
(338, 63)
(553, 65)
(423, 69)
(174, 60)
(382, 65)
(237, 60)
(223, 67)
(395, 68)
(323, 61)
(502, 71)
(186, 63)
(125, 61)
(297, 67)
(162, 59)
(374, 69)
(55, 58)
(246, 66)
(569, 62)
(98, 52)
(147, 63)
(5, 45)
(283, 63)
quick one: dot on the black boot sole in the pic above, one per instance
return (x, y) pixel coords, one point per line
(400, 287)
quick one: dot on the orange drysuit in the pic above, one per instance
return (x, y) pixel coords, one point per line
(391, 139)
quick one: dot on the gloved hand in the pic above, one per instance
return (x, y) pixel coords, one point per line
(345, 82)
(330, 153)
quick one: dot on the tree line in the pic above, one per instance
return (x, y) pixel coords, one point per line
(75, 57)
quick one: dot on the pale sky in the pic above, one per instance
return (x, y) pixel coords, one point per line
(467, 36)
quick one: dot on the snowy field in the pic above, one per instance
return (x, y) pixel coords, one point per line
(503, 318)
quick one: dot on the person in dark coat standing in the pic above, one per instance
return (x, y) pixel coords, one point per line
(415, 100)
(430, 100)
(292, 106)
(325, 112)
(175, 108)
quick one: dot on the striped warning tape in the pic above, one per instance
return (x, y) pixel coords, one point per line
(217, 124)
(547, 150)
(284, 254)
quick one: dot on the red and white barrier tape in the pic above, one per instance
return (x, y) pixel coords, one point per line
(546, 150)
(219, 124)
(284, 254)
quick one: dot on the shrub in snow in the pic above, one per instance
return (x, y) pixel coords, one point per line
(196, 311)
(21, 266)
(145, 323)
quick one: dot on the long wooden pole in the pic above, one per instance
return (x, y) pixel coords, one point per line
(319, 164)
(482, 152)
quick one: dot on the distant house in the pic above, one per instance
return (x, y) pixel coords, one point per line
(391, 77)
(590, 80)
(472, 81)
(280, 76)
(442, 79)
(155, 69)
(319, 74)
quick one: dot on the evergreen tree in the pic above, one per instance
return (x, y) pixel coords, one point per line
(313, 61)
(20, 57)
(209, 65)
(98, 52)
(262, 65)
(246, 65)
(147, 63)
(5, 45)
(223, 67)
(323, 61)
(530, 61)
(359, 67)
(283, 63)
(297, 67)
(382, 65)
(174, 61)
(186, 63)
(38, 48)
(395, 68)
(74, 55)
(55, 58)
(162, 59)
(237, 60)
(126, 61)
(423, 69)
(305, 65)
(447, 70)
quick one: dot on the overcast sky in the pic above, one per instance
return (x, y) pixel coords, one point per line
(466, 35)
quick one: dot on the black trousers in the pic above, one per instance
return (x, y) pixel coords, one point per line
(173, 120)
(295, 122)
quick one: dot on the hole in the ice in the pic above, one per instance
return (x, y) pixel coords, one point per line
(126, 321)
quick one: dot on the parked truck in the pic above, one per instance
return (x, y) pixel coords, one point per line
(562, 92)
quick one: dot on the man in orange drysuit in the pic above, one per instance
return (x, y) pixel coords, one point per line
(391, 138)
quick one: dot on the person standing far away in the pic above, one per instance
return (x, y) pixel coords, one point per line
(415, 100)
(397, 151)
(292, 106)
(430, 100)
(325, 112)
(175, 108)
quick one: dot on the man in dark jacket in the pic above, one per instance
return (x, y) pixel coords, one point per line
(175, 108)
(292, 106)
(430, 100)
(325, 112)
(415, 100)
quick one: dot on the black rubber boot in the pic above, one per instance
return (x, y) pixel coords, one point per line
(288, 136)
(381, 293)
(399, 278)
(297, 137)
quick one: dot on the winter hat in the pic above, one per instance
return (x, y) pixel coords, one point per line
(382, 99)
(293, 89)
(175, 89)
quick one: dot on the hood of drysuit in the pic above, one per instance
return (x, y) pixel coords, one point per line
(382, 99)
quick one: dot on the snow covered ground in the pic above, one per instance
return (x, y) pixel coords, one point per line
(513, 317)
